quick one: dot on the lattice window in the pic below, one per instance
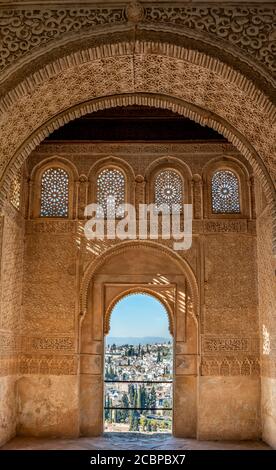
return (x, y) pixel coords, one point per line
(111, 191)
(54, 193)
(168, 190)
(15, 191)
(225, 192)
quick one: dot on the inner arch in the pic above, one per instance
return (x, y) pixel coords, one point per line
(138, 366)
(134, 308)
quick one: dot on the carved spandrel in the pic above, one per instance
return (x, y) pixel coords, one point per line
(29, 29)
(140, 186)
(197, 196)
(228, 24)
(82, 196)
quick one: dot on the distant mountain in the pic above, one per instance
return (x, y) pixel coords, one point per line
(120, 340)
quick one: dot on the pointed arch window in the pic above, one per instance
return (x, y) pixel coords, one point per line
(168, 190)
(54, 193)
(111, 191)
(225, 192)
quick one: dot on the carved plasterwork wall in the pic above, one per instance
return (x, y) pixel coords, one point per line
(153, 59)
(245, 32)
(141, 159)
(229, 109)
(70, 286)
(212, 64)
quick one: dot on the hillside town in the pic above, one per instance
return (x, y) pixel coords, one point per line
(138, 387)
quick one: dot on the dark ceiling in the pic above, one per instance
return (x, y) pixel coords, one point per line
(134, 123)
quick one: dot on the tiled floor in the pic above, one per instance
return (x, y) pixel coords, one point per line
(118, 441)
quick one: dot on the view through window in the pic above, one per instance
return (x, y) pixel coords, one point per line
(138, 367)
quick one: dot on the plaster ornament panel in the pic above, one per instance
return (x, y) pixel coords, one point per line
(23, 30)
(8, 365)
(48, 364)
(231, 259)
(225, 226)
(52, 343)
(231, 344)
(248, 29)
(197, 196)
(229, 365)
(15, 191)
(51, 226)
(9, 343)
(147, 149)
(153, 72)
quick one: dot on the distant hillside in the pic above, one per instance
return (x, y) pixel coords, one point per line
(135, 341)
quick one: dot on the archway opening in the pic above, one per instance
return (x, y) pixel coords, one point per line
(138, 392)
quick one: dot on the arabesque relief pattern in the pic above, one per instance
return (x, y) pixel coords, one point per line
(153, 73)
(40, 328)
(249, 28)
(221, 355)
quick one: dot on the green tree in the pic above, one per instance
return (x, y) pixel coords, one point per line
(107, 405)
(143, 397)
(135, 422)
(159, 359)
(152, 399)
(131, 390)
(125, 404)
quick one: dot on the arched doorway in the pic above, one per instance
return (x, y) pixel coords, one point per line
(138, 366)
(159, 272)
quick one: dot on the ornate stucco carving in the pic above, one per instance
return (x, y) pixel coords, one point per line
(249, 28)
(151, 246)
(230, 365)
(24, 30)
(229, 344)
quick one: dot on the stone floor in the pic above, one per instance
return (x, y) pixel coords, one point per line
(124, 441)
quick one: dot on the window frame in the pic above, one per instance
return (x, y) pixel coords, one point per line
(106, 168)
(173, 170)
(117, 163)
(241, 173)
(230, 213)
(36, 182)
(173, 164)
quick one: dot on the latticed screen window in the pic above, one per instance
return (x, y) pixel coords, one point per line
(225, 192)
(54, 193)
(111, 192)
(168, 190)
(15, 191)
